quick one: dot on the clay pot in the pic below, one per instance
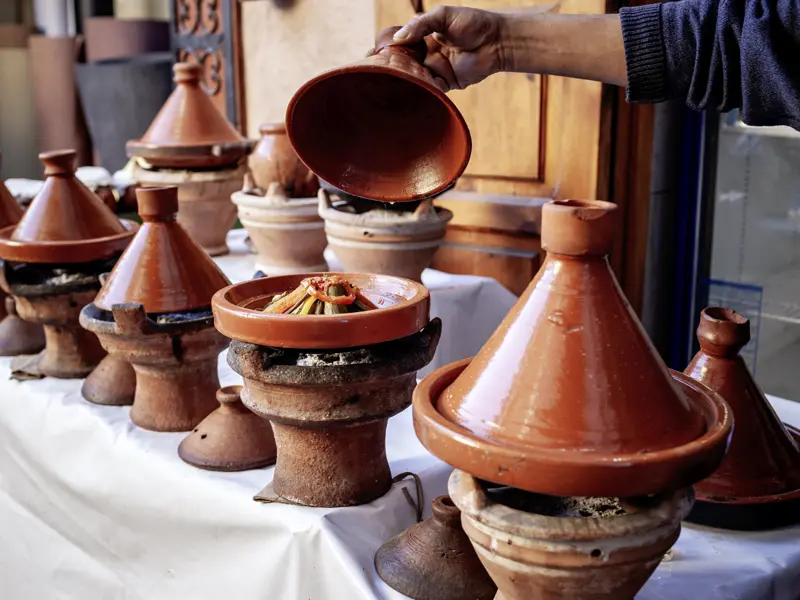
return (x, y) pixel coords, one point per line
(231, 438)
(582, 385)
(16, 335)
(288, 235)
(434, 560)
(189, 132)
(206, 210)
(757, 486)
(274, 161)
(533, 555)
(380, 128)
(329, 383)
(384, 241)
(111, 383)
(175, 360)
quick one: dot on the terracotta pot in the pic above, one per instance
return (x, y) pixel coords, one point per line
(757, 486)
(329, 411)
(206, 210)
(383, 241)
(532, 555)
(404, 310)
(111, 383)
(16, 335)
(582, 385)
(288, 235)
(189, 132)
(175, 360)
(380, 128)
(274, 161)
(434, 560)
(232, 438)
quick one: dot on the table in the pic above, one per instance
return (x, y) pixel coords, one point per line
(93, 508)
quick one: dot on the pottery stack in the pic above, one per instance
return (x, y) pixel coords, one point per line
(154, 313)
(328, 383)
(278, 207)
(16, 336)
(566, 488)
(53, 260)
(757, 486)
(191, 145)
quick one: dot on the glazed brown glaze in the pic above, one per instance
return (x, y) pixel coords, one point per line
(66, 222)
(189, 131)
(16, 335)
(380, 128)
(434, 560)
(112, 383)
(563, 397)
(10, 210)
(761, 472)
(403, 309)
(274, 161)
(232, 438)
(163, 269)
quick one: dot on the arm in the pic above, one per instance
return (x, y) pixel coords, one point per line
(718, 54)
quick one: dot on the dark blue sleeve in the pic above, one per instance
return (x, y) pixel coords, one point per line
(717, 54)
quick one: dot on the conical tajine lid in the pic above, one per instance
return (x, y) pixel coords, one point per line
(569, 388)
(189, 131)
(763, 461)
(10, 209)
(66, 221)
(163, 269)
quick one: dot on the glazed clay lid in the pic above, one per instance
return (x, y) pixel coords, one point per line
(163, 269)
(570, 379)
(763, 461)
(189, 131)
(380, 128)
(66, 222)
(10, 209)
(403, 310)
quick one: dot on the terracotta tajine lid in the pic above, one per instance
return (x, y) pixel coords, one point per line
(189, 131)
(10, 209)
(569, 393)
(66, 222)
(763, 462)
(163, 269)
(403, 310)
(274, 160)
(232, 438)
(380, 128)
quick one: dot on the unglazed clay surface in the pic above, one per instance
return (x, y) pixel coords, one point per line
(274, 161)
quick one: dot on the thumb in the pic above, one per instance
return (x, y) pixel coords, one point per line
(434, 21)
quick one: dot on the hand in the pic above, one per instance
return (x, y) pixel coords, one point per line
(464, 44)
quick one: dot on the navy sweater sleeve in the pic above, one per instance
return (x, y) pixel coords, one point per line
(717, 54)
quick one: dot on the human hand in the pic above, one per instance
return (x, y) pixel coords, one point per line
(464, 44)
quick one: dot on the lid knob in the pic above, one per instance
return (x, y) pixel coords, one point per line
(59, 162)
(157, 203)
(229, 394)
(444, 511)
(272, 129)
(184, 72)
(385, 40)
(579, 227)
(723, 332)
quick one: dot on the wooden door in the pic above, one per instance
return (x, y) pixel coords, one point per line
(535, 138)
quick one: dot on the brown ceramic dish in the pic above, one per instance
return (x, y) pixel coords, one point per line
(189, 131)
(403, 311)
(380, 128)
(274, 161)
(758, 484)
(163, 269)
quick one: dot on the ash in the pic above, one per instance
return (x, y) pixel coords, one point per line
(570, 507)
(332, 359)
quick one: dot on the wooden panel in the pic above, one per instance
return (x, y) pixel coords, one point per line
(504, 213)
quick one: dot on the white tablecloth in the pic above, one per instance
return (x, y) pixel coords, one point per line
(93, 508)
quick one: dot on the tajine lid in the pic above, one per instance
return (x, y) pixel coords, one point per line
(163, 269)
(10, 209)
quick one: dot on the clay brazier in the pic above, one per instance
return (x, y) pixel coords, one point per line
(562, 398)
(534, 549)
(274, 161)
(380, 128)
(154, 313)
(757, 486)
(53, 259)
(434, 560)
(328, 383)
(232, 438)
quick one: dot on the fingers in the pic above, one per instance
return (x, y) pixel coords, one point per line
(434, 21)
